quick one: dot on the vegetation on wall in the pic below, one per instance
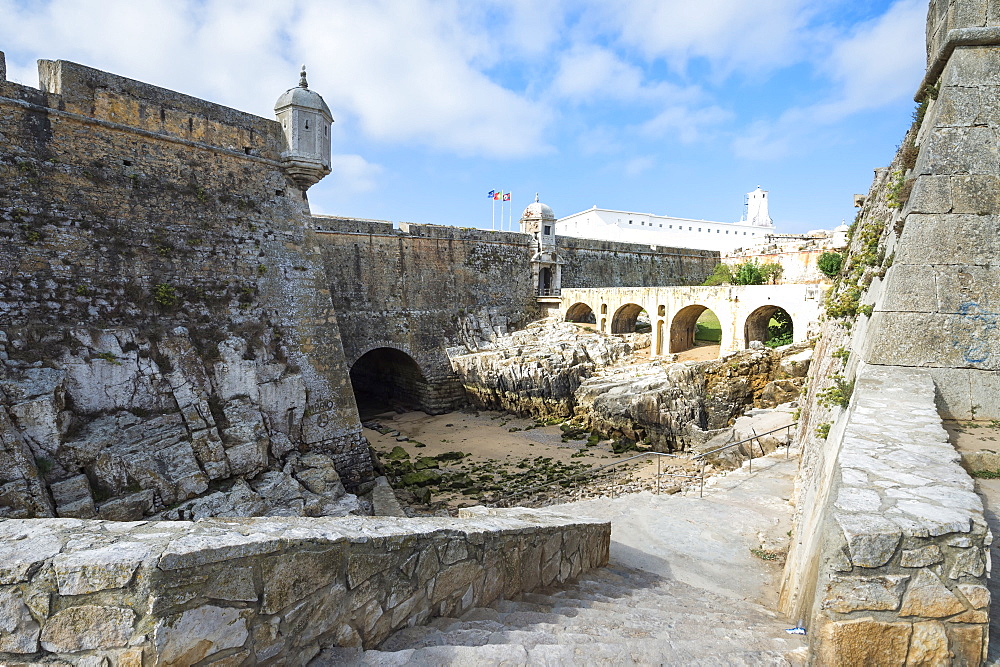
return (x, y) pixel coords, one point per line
(829, 263)
(745, 273)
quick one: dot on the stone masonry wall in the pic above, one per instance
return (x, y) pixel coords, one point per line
(901, 569)
(166, 329)
(910, 338)
(256, 591)
(424, 288)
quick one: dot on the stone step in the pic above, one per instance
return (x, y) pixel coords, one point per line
(635, 652)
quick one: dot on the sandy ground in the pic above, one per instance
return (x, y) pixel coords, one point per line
(970, 436)
(486, 438)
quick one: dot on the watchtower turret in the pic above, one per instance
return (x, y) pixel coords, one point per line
(305, 119)
(546, 266)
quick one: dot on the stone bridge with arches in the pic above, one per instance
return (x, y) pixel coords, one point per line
(744, 312)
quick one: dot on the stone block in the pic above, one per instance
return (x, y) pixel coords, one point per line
(930, 194)
(978, 194)
(929, 645)
(967, 562)
(984, 388)
(921, 557)
(878, 593)
(455, 550)
(863, 641)
(967, 643)
(92, 570)
(958, 107)
(927, 597)
(455, 578)
(291, 577)
(193, 635)
(18, 630)
(964, 340)
(972, 67)
(958, 150)
(231, 582)
(130, 508)
(73, 498)
(940, 239)
(871, 539)
(87, 627)
(977, 595)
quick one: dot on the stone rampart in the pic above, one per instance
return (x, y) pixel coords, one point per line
(252, 591)
(899, 534)
(158, 281)
(890, 550)
(421, 289)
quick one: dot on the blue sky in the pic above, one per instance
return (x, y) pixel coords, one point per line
(663, 106)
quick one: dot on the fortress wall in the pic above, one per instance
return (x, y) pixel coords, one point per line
(910, 339)
(422, 288)
(264, 591)
(593, 263)
(162, 283)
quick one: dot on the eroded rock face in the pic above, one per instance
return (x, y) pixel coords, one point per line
(555, 369)
(124, 426)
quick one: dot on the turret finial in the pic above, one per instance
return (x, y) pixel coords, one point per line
(536, 197)
(302, 78)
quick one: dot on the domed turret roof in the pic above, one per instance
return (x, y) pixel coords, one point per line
(301, 96)
(538, 210)
(842, 227)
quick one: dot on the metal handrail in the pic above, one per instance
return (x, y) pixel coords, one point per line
(547, 292)
(659, 458)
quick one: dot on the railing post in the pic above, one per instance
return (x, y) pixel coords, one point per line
(658, 459)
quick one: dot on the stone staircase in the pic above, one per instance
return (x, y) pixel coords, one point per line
(614, 616)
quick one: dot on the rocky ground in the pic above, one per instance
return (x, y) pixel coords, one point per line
(439, 463)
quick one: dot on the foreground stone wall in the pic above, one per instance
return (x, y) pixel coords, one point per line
(166, 331)
(269, 591)
(902, 543)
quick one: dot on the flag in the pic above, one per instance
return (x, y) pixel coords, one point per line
(506, 197)
(492, 194)
(498, 195)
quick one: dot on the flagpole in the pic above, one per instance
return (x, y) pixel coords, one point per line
(493, 220)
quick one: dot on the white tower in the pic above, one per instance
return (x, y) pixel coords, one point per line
(305, 119)
(757, 208)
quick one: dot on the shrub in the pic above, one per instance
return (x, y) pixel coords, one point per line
(771, 273)
(165, 295)
(748, 273)
(830, 263)
(823, 430)
(721, 275)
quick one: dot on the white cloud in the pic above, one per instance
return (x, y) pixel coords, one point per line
(879, 63)
(353, 174)
(638, 165)
(731, 34)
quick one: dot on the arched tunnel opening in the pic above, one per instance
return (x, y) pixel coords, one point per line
(770, 325)
(631, 318)
(386, 379)
(581, 313)
(694, 326)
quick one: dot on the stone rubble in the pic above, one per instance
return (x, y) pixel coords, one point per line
(555, 370)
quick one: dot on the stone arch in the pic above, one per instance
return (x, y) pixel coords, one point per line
(757, 324)
(626, 318)
(684, 327)
(582, 313)
(386, 378)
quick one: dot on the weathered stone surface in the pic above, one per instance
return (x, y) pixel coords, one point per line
(877, 593)
(966, 643)
(921, 557)
(87, 627)
(871, 540)
(195, 634)
(967, 562)
(929, 645)
(290, 579)
(863, 641)
(977, 595)
(98, 569)
(928, 597)
(73, 498)
(18, 630)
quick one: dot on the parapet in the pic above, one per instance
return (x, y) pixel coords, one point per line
(3, 67)
(115, 99)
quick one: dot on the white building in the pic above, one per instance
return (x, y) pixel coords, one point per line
(661, 230)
